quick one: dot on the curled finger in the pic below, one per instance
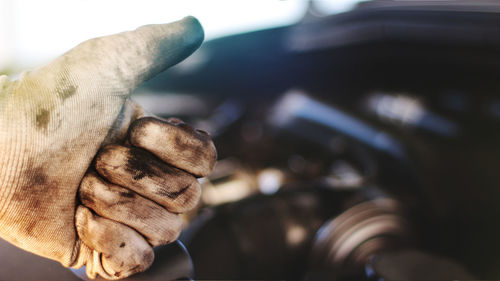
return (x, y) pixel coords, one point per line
(144, 173)
(122, 250)
(175, 143)
(108, 200)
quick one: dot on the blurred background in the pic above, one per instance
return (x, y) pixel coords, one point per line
(356, 140)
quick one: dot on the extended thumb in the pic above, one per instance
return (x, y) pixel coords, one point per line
(120, 62)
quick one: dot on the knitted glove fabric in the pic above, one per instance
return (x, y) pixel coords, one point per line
(85, 178)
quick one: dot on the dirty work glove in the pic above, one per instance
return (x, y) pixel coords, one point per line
(85, 179)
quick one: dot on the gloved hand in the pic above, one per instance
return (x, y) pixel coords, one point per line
(85, 179)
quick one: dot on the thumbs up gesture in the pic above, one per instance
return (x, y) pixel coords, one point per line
(85, 177)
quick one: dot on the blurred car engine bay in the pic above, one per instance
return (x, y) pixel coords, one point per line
(361, 145)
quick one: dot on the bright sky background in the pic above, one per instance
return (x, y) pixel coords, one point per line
(33, 32)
